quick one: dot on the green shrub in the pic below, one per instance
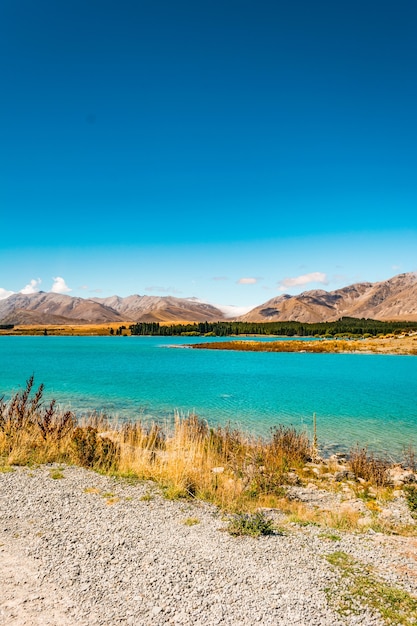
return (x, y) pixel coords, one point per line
(250, 524)
(411, 497)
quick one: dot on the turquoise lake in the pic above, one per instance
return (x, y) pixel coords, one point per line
(358, 398)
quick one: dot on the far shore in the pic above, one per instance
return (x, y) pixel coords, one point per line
(398, 344)
(102, 329)
(390, 344)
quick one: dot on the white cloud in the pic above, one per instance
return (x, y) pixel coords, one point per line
(247, 281)
(5, 294)
(304, 279)
(59, 286)
(157, 289)
(230, 310)
(32, 287)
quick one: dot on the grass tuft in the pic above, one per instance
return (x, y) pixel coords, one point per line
(191, 521)
(56, 474)
(147, 497)
(411, 497)
(330, 536)
(365, 465)
(251, 525)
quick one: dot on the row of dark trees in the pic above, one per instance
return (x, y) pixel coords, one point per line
(344, 326)
(118, 331)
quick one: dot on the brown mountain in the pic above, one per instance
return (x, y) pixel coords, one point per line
(393, 299)
(53, 308)
(161, 309)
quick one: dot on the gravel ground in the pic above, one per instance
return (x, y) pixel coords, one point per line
(89, 550)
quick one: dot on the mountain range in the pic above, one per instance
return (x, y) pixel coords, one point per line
(392, 299)
(53, 308)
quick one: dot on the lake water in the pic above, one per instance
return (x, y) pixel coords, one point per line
(358, 398)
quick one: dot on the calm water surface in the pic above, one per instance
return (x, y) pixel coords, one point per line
(369, 399)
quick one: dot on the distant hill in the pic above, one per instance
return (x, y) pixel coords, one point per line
(53, 308)
(393, 299)
(161, 309)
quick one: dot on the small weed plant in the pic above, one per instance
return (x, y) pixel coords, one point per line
(147, 497)
(365, 465)
(56, 474)
(330, 536)
(250, 524)
(191, 521)
(411, 497)
(93, 490)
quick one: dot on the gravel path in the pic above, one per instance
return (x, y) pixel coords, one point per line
(89, 550)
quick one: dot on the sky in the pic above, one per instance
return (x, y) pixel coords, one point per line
(229, 150)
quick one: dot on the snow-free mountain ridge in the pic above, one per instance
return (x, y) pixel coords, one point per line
(52, 308)
(392, 299)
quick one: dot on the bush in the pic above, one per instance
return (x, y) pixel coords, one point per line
(364, 465)
(149, 437)
(294, 446)
(55, 425)
(411, 497)
(24, 412)
(250, 524)
(20, 412)
(92, 451)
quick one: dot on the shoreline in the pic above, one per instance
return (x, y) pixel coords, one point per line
(396, 345)
(197, 526)
(391, 344)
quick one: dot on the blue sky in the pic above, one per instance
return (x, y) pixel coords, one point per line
(228, 150)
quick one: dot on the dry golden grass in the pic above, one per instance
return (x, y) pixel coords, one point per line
(187, 459)
(340, 519)
(379, 345)
(80, 329)
(67, 329)
(372, 469)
